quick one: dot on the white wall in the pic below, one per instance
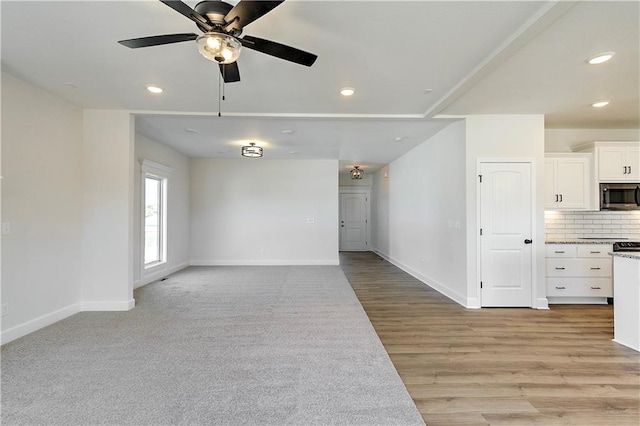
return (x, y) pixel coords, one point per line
(423, 201)
(257, 211)
(42, 202)
(107, 222)
(508, 137)
(561, 140)
(177, 208)
(380, 211)
(344, 179)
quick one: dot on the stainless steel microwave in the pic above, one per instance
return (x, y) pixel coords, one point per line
(620, 196)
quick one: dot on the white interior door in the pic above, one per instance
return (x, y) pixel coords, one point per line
(354, 212)
(506, 216)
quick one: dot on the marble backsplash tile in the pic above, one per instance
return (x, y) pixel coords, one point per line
(581, 224)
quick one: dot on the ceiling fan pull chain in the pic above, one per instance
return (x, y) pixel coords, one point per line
(219, 92)
(224, 80)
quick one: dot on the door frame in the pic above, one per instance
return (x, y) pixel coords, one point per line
(537, 245)
(355, 190)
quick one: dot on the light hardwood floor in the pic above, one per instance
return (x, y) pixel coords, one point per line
(498, 366)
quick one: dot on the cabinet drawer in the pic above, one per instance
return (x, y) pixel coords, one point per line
(596, 267)
(594, 250)
(561, 250)
(579, 287)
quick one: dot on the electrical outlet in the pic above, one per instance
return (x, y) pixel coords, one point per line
(5, 309)
(311, 220)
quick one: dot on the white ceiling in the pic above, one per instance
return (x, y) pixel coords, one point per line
(473, 57)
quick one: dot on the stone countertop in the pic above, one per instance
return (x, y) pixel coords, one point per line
(627, 254)
(582, 241)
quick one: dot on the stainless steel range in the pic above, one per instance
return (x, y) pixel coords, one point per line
(626, 246)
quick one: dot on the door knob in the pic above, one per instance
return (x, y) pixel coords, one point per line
(528, 241)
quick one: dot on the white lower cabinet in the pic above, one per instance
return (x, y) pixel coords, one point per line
(579, 273)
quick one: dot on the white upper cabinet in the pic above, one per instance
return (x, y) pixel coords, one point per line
(619, 164)
(567, 181)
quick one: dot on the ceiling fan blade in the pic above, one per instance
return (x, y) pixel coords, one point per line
(230, 72)
(248, 11)
(135, 43)
(185, 10)
(279, 50)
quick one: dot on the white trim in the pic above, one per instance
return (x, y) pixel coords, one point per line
(418, 116)
(122, 305)
(542, 303)
(37, 323)
(151, 167)
(272, 262)
(155, 276)
(578, 300)
(445, 291)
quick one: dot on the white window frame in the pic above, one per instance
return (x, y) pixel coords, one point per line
(153, 170)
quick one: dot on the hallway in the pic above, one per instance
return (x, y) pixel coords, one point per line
(497, 366)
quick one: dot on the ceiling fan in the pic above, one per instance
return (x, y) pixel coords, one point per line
(222, 25)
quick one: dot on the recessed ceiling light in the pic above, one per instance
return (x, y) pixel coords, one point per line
(601, 58)
(287, 132)
(292, 152)
(154, 89)
(600, 104)
(399, 138)
(72, 85)
(347, 91)
(190, 130)
(427, 91)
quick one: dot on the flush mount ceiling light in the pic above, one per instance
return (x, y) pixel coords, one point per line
(347, 91)
(356, 173)
(219, 47)
(252, 151)
(601, 58)
(154, 89)
(600, 104)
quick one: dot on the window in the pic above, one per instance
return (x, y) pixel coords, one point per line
(154, 213)
(153, 220)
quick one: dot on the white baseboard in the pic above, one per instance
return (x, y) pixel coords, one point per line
(458, 298)
(578, 300)
(542, 303)
(473, 303)
(115, 305)
(270, 262)
(38, 323)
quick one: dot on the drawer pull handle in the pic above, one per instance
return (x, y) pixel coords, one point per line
(560, 288)
(559, 251)
(559, 268)
(596, 252)
(595, 288)
(595, 269)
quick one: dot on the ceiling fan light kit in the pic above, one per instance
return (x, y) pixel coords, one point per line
(219, 47)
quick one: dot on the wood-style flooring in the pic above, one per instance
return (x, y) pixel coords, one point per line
(497, 366)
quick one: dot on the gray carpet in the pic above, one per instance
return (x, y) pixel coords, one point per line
(212, 346)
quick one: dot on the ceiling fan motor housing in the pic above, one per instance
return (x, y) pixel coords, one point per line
(215, 12)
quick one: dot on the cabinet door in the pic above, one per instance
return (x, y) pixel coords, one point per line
(611, 164)
(550, 184)
(633, 163)
(572, 183)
